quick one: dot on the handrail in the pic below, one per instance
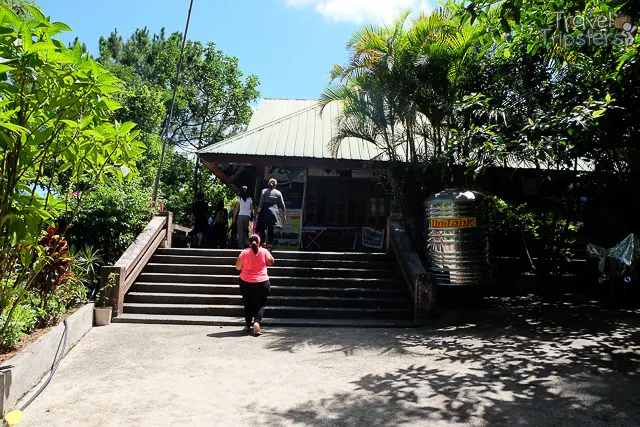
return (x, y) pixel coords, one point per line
(420, 282)
(157, 233)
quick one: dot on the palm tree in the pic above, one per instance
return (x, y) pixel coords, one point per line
(400, 85)
(398, 92)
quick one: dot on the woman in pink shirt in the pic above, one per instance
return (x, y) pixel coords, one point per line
(254, 282)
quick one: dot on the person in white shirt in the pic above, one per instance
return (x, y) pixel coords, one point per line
(243, 213)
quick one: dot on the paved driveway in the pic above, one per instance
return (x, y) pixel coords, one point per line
(533, 366)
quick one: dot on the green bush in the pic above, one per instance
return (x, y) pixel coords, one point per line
(23, 320)
(177, 185)
(111, 218)
(50, 308)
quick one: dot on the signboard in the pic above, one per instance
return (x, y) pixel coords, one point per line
(372, 238)
(366, 173)
(284, 175)
(288, 237)
(291, 183)
(453, 222)
(323, 172)
(396, 210)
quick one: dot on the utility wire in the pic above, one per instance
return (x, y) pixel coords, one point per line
(165, 131)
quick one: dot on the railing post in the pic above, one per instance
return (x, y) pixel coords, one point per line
(388, 236)
(166, 243)
(116, 298)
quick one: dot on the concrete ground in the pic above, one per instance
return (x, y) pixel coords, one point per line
(534, 365)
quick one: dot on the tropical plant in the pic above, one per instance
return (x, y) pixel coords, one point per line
(398, 92)
(55, 126)
(85, 266)
(104, 293)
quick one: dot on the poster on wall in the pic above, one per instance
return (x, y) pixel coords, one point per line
(288, 237)
(285, 176)
(372, 238)
(291, 183)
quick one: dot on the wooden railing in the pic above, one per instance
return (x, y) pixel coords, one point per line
(420, 282)
(156, 234)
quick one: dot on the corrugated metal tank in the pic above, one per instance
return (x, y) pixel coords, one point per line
(457, 228)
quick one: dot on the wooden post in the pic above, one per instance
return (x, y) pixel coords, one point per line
(166, 243)
(387, 237)
(117, 293)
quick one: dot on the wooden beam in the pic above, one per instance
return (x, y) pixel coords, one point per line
(298, 162)
(221, 176)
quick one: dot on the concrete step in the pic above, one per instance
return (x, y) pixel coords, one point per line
(275, 300)
(172, 319)
(233, 289)
(299, 263)
(274, 271)
(270, 311)
(326, 282)
(353, 256)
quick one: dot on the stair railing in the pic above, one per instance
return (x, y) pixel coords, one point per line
(156, 234)
(420, 282)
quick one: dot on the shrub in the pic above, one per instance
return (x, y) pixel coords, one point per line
(112, 217)
(22, 321)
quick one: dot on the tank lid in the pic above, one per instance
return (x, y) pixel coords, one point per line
(455, 195)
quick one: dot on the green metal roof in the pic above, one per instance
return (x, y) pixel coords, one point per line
(293, 128)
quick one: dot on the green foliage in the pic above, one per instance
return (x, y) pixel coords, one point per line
(178, 194)
(23, 320)
(57, 142)
(52, 307)
(86, 266)
(505, 216)
(212, 102)
(111, 218)
(103, 295)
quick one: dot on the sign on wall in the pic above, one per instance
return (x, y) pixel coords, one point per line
(291, 183)
(288, 237)
(284, 175)
(372, 238)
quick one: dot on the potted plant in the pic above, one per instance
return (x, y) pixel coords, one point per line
(102, 311)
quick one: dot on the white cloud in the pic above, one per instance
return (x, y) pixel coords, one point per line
(362, 11)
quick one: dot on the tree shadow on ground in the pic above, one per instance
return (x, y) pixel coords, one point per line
(525, 362)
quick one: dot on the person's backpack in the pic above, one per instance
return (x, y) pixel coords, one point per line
(220, 218)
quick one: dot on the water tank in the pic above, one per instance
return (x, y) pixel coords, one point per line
(457, 233)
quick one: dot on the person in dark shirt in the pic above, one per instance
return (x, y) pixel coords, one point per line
(199, 216)
(271, 212)
(220, 226)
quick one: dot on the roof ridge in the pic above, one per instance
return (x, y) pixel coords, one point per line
(261, 127)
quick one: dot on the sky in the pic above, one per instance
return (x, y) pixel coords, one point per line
(291, 45)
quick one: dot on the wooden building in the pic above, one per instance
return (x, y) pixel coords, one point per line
(329, 200)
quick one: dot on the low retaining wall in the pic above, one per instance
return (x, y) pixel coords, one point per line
(21, 373)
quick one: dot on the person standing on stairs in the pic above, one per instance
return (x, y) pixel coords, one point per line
(220, 226)
(271, 204)
(254, 282)
(241, 216)
(199, 214)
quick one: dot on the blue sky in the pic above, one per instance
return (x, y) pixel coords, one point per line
(290, 45)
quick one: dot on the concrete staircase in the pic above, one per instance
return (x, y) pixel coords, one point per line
(200, 286)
